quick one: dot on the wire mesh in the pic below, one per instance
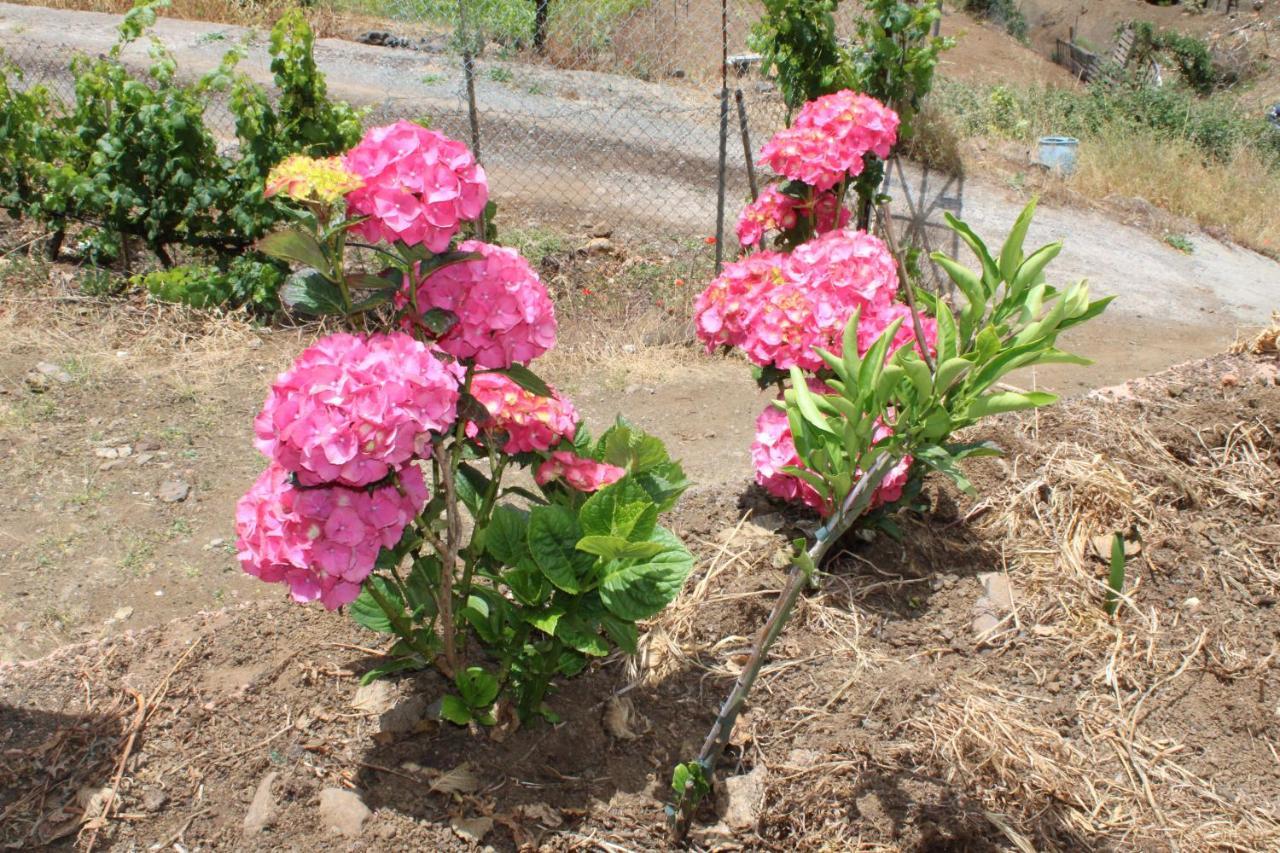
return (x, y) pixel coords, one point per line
(585, 110)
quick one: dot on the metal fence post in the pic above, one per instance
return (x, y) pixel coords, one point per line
(473, 115)
(746, 144)
(721, 179)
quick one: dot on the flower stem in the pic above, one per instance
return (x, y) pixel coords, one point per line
(448, 561)
(803, 566)
(401, 625)
(886, 225)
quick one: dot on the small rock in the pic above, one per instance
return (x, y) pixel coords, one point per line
(472, 829)
(153, 799)
(261, 812)
(37, 383)
(1114, 393)
(600, 246)
(1266, 375)
(989, 609)
(1177, 389)
(173, 491)
(1230, 380)
(106, 453)
(122, 614)
(996, 585)
(541, 813)
(93, 800)
(743, 795)
(1192, 604)
(111, 465)
(404, 717)
(148, 445)
(631, 389)
(343, 811)
(602, 229)
(143, 458)
(629, 349)
(619, 718)
(374, 698)
(54, 372)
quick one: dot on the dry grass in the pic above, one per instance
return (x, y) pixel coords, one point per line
(1266, 341)
(984, 746)
(169, 344)
(1235, 198)
(1126, 778)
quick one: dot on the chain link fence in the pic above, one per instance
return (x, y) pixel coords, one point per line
(585, 111)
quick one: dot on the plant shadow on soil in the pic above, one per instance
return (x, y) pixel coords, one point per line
(563, 766)
(569, 765)
(48, 757)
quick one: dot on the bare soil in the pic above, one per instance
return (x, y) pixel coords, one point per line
(888, 718)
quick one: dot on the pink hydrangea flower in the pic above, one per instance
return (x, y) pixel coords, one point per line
(723, 312)
(531, 423)
(830, 215)
(583, 475)
(419, 186)
(774, 450)
(322, 542)
(351, 410)
(853, 269)
(505, 316)
(831, 138)
(772, 211)
(778, 309)
(777, 211)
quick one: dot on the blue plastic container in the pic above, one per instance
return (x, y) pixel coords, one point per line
(1058, 153)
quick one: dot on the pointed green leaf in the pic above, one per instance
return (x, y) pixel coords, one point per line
(622, 509)
(1008, 401)
(455, 710)
(526, 379)
(308, 292)
(1032, 268)
(1011, 253)
(365, 610)
(553, 536)
(638, 589)
(296, 246)
(506, 537)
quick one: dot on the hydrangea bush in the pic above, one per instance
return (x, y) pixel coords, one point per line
(394, 482)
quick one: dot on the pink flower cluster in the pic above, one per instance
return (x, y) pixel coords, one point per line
(351, 409)
(831, 138)
(773, 210)
(531, 423)
(581, 474)
(419, 186)
(777, 211)
(505, 316)
(778, 308)
(322, 542)
(774, 450)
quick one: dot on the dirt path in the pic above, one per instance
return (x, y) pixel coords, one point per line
(593, 146)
